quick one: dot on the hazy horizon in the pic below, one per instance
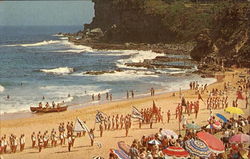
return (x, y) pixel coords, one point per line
(45, 13)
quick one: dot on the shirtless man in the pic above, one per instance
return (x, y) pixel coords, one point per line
(168, 115)
(101, 129)
(33, 139)
(126, 127)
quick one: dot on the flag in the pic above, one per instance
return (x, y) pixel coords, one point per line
(199, 97)
(136, 113)
(183, 102)
(100, 117)
(119, 154)
(155, 109)
(78, 126)
(240, 95)
(84, 126)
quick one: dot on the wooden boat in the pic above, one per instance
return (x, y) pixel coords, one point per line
(48, 110)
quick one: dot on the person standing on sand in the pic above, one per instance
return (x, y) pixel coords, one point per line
(92, 136)
(126, 127)
(101, 129)
(107, 96)
(113, 122)
(1, 145)
(109, 123)
(15, 143)
(132, 94)
(5, 144)
(33, 139)
(40, 143)
(110, 97)
(22, 142)
(168, 115)
(69, 142)
(140, 122)
(99, 96)
(151, 122)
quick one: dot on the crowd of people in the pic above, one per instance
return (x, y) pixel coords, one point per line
(144, 149)
(141, 149)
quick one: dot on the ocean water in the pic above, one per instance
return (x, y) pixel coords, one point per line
(34, 62)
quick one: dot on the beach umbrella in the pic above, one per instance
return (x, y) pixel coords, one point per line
(215, 144)
(97, 157)
(169, 133)
(193, 126)
(123, 146)
(221, 117)
(197, 148)
(175, 151)
(119, 154)
(217, 125)
(234, 110)
(240, 138)
(154, 142)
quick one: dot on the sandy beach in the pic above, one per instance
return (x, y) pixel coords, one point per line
(82, 148)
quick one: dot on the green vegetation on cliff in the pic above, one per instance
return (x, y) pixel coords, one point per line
(218, 28)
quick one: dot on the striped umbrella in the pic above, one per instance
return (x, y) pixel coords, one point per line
(197, 148)
(97, 157)
(154, 142)
(169, 133)
(215, 144)
(119, 154)
(175, 151)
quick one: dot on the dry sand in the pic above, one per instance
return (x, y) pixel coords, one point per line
(82, 149)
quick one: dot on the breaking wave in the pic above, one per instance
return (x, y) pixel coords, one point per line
(1, 88)
(138, 56)
(36, 44)
(59, 70)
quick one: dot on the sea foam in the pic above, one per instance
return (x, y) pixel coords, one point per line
(138, 56)
(36, 44)
(59, 70)
(1, 88)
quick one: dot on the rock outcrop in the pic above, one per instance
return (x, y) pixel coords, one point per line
(227, 43)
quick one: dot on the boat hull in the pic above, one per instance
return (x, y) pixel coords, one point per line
(48, 110)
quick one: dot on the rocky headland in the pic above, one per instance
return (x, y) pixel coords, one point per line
(215, 34)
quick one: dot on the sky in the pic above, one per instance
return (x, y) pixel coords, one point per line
(52, 13)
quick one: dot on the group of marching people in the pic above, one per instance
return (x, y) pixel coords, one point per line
(42, 140)
(13, 143)
(217, 102)
(116, 122)
(151, 114)
(187, 107)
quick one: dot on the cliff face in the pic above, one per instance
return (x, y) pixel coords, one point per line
(227, 40)
(221, 30)
(127, 22)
